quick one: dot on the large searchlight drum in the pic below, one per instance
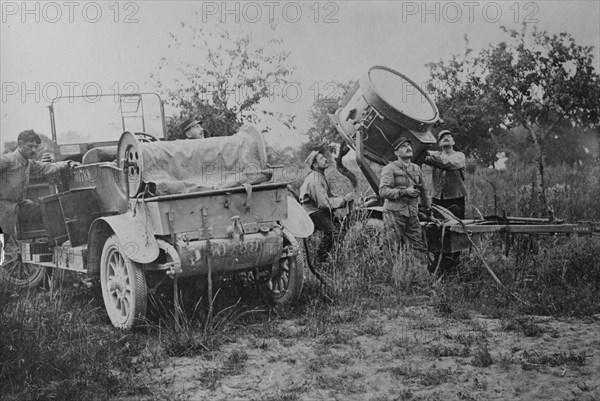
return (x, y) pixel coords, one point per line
(388, 105)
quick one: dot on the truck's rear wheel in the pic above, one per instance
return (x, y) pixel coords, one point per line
(123, 285)
(284, 284)
(17, 273)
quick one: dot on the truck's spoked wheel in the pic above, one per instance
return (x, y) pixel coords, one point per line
(280, 277)
(17, 273)
(123, 285)
(284, 284)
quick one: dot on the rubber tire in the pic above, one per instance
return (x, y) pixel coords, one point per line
(32, 275)
(295, 276)
(126, 309)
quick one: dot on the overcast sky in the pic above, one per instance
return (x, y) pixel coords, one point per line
(48, 47)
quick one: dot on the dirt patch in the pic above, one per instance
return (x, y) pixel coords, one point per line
(408, 353)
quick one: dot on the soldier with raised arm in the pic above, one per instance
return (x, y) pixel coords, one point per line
(449, 189)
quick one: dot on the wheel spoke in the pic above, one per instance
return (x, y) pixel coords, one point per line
(10, 266)
(25, 271)
(284, 279)
(111, 267)
(125, 307)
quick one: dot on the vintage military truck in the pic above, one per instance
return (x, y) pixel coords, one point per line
(139, 211)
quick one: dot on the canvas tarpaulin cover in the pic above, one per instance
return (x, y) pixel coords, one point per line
(193, 165)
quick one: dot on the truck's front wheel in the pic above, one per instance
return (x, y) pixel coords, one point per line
(284, 284)
(123, 286)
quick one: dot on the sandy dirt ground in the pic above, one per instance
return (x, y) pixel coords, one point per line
(409, 353)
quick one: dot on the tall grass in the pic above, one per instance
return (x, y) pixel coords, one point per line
(561, 278)
(572, 193)
(57, 345)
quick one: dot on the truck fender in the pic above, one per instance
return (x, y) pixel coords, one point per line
(297, 222)
(138, 244)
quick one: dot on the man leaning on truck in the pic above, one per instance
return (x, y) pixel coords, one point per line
(15, 170)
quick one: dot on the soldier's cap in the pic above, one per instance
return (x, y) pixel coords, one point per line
(311, 158)
(402, 140)
(189, 123)
(442, 133)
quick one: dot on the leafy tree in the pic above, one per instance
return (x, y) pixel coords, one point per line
(467, 110)
(540, 82)
(222, 78)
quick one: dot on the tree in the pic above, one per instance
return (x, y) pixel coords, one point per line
(536, 81)
(222, 78)
(467, 110)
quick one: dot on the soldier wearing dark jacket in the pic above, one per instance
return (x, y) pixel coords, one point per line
(403, 188)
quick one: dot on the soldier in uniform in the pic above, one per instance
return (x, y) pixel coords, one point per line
(449, 189)
(319, 202)
(192, 128)
(403, 188)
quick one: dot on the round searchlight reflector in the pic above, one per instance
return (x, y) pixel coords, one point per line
(402, 94)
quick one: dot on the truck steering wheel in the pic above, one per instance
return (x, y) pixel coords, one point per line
(144, 137)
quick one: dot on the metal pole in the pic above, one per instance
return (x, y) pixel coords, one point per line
(204, 214)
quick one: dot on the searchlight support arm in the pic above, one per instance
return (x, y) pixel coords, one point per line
(364, 166)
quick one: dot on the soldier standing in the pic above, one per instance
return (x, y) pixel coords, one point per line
(403, 188)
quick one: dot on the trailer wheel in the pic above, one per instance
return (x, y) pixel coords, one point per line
(17, 273)
(123, 285)
(284, 284)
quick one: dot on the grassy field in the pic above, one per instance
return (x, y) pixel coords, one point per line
(381, 329)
